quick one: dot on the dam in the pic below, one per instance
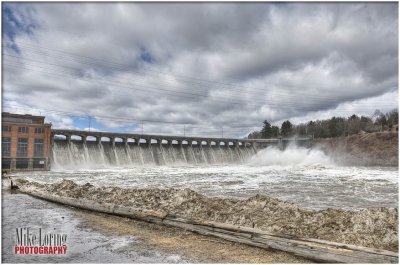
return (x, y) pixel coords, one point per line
(72, 148)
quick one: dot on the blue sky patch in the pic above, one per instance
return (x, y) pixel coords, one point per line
(81, 123)
(12, 26)
(146, 56)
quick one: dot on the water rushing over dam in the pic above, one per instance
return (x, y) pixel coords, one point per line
(307, 177)
(78, 154)
(141, 149)
(304, 176)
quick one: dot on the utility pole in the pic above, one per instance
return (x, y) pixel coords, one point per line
(90, 120)
(184, 130)
(141, 122)
(222, 132)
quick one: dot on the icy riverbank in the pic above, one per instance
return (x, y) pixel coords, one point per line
(374, 227)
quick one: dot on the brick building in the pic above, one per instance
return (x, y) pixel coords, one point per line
(26, 142)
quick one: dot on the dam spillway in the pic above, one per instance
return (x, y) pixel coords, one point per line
(104, 150)
(73, 154)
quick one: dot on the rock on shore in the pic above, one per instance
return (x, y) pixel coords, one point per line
(363, 149)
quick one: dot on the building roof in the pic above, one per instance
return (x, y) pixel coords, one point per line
(22, 118)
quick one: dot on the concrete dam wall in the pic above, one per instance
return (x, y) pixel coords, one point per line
(91, 154)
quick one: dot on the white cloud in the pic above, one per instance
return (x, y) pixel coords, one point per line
(287, 61)
(361, 107)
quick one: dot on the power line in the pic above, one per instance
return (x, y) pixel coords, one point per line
(32, 49)
(291, 104)
(309, 97)
(119, 84)
(102, 117)
(27, 45)
(196, 132)
(210, 132)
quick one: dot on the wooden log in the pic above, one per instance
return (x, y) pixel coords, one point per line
(260, 233)
(108, 208)
(314, 249)
(319, 250)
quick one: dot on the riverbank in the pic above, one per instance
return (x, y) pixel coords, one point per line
(100, 238)
(363, 149)
(375, 227)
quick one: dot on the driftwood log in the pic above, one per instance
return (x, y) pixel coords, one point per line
(313, 249)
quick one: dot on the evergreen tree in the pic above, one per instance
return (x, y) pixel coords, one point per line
(286, 128)
(266, 130)
(274, 131)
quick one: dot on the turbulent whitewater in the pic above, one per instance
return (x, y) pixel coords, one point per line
(306, 177)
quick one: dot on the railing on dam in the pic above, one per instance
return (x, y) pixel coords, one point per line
(148, 139)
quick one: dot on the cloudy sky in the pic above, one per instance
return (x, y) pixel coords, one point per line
(196, 68)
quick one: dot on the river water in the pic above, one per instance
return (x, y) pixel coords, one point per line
(306, 177)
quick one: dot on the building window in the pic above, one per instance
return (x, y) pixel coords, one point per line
(6, 128)
(23, 129)
(38, 151)
(5, 147)
(22, 148)
(39, 130)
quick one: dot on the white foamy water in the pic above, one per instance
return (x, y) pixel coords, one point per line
(305, 177)
(291, 156)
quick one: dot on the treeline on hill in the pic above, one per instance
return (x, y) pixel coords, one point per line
(336, 126)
